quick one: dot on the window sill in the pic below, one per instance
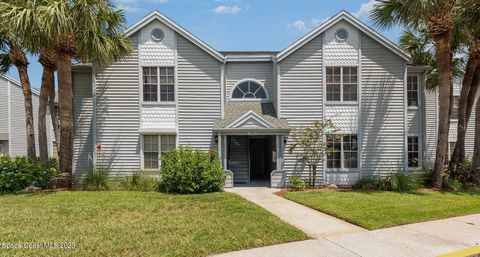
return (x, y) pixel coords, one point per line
(335, 103)
(158, 103)
(412, 108)
(332, 170)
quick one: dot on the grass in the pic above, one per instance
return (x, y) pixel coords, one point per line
(374, 210)
(138, 224)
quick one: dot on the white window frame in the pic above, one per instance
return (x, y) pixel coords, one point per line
(341, 84)
(142, 153)
(457, 109)
(159, 102)
(414, 107)
(262, 85)
(420, 150)
(342, 157)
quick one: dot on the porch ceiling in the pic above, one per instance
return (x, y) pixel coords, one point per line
(251, 116)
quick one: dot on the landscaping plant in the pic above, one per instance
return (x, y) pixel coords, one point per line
(19, 172)
(139, 182)
(188, 171)
(96, 180)
(297, 184)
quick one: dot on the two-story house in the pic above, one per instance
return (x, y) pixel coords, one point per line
(174, 89)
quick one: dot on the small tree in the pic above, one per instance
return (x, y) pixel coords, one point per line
(311, 146)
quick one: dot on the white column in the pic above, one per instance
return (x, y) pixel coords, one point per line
(279, 150)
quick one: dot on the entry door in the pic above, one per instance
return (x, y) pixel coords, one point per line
(257, 158)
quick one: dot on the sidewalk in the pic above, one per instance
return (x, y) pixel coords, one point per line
(338, 238)
(313, 223)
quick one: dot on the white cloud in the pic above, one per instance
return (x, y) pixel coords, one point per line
(305, 26)
(129, 8)
(134, 6)
(224, 9)
(365, 9)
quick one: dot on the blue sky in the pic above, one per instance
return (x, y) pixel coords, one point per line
(241, 24)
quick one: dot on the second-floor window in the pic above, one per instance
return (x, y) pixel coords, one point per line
(158, 84)
(412, 90)
(342, 84)
(455, 107)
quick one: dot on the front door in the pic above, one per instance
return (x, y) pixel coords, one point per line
(257, 158)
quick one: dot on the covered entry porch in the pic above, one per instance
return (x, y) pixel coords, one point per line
(251, 144)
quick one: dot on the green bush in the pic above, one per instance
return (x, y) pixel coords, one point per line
(18, 173)
(297, 184)
(96, 180)
(188, 171)
(139, 182)
(400, 181)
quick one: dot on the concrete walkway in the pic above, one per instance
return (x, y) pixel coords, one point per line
(313, 223)
(338, 238)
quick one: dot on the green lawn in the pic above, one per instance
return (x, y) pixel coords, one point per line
(373, 210)
(138, 224)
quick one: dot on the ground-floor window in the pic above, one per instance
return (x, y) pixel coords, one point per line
(153, 147)
(342, 151)
(413, 152)
(451, 148)
(3, 147)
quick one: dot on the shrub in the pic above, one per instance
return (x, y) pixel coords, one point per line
(139, 182)
(297, 184)
(191, 171)
(400, 181)
(96, 180)
(18, 173)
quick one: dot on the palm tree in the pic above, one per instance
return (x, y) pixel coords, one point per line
(13, 53)
(436, 16)
(20, 15)
(87, 30)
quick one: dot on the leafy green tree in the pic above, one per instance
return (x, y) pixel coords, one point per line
(310, 146)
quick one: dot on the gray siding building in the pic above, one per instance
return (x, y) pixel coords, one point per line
(13, 139)
(174, 89)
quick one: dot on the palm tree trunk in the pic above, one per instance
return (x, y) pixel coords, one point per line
(444, 66)
(65, 95)
(42, 111)
(458, 156)
(18, 58)
(475, 172)
(54, 117)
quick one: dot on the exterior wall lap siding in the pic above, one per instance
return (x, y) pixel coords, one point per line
(301, 94)
(198, 95)
(117, 111)
(382, 110)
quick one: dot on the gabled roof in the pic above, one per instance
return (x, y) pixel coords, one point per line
(247, 119)
(156, 15)
(343, 15)
(15, 82)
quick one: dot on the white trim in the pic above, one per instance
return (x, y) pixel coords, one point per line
(262, 85)
(359, 101)
(250, 114)
(94, 117)
(343, 15)
(324, 100)
(156, 15)
(405, 118)
(222, 90)
(175, 45)
(250, 58)
(170, 131)
(279, 91)
(419, 151)
(9, 102)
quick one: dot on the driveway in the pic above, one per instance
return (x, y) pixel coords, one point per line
(334, 237)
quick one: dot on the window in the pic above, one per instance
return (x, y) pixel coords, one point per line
(413, 151)
(412, 90)
(3, 147)
(451, 148)
(153, 147)
(155, 78)
(455, 107)
(249, 89)
(342, 84)
(343, 152)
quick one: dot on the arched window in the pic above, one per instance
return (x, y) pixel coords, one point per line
(249, 90)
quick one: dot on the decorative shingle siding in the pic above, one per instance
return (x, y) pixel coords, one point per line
(301, 97)
(344, 117)
(382, 108)
(82, 122)
(118, 116)
(261, 71)
(341, 53)
(153, 53)
(198, 95)
(158, 117)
